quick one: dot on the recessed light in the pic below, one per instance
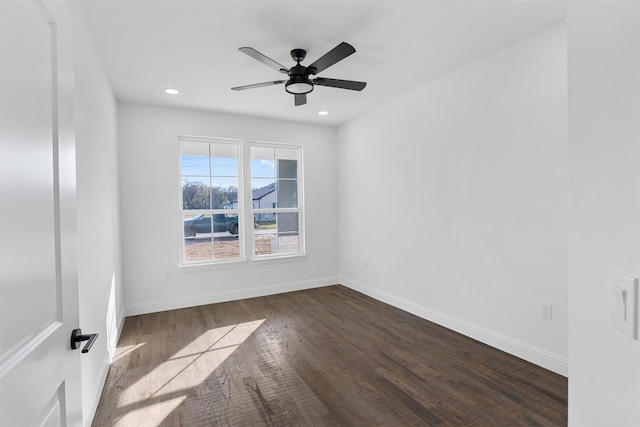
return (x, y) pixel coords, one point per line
(323, 113)
(171, 91)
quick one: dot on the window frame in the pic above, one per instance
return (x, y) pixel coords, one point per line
(239, 211)
(244, 211)
(300, 210)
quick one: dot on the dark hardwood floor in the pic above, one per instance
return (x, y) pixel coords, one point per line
(322, 357)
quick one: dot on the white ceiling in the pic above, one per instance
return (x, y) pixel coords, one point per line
(147, 46)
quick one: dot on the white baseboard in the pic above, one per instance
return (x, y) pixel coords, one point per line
(535, 355)
(172, 304)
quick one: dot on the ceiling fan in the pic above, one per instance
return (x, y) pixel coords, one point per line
(300, 82)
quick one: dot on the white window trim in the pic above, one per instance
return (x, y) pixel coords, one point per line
(245, 216)
(227, 262)
(300, 210)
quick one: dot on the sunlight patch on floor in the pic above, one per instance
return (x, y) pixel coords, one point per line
(187, 368)
(152, 414)
(125, 350)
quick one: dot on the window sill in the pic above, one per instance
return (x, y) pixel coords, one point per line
(242, 263)
(279, 259)
(218, 265)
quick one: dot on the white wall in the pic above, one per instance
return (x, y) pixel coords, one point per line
(471, 171)
(604, 231)
(151, 225)
(99, 275)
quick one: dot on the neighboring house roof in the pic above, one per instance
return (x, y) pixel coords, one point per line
(259, 193)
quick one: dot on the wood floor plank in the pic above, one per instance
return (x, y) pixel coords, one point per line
(321, 357)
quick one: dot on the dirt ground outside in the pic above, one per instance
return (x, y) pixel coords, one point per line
(202, 249)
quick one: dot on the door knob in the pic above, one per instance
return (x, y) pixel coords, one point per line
(77, 337)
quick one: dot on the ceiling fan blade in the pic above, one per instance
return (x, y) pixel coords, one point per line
(301, 99)
(255, 85)
(264, 59)
(336, 54)
(341, 84)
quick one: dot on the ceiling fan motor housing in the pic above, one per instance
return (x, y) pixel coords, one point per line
(299, 82)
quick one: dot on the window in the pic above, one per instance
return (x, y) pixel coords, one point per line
(211, 195)
(215, 227)
(275, 180)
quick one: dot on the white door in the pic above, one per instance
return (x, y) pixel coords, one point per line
(39, 373)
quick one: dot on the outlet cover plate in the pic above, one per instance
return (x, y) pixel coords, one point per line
(546, 310)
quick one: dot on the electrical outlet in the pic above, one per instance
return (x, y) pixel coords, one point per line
(167, 275)
(366, 263)
(545, 310)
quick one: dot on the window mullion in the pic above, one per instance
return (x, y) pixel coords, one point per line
(247, 201)
(210, 178)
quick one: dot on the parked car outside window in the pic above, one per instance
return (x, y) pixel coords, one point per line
(202, 224)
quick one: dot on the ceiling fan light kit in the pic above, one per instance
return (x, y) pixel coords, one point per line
(300, 83)
(298, 86)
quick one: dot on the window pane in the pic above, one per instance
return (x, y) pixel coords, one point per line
(287, 169)
(199, 224)
(226, 246)
(279, 238)
(263, 194)
(205, 223)
(195, 159)
(262, 162)
(211, 248)
(288, 243)
(264, 221)
(287, 153)
(287, 194)
(225, 193)
(287, 222)
(224, 160)
(196, 193)
(198, 249)
(265, 244)
(226, 223)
